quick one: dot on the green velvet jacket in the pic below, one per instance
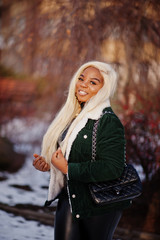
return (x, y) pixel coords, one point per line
(109, 164)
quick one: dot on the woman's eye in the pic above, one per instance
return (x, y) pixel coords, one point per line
(92, 82)
(80, 79)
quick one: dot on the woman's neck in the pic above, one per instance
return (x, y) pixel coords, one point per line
(82, 105)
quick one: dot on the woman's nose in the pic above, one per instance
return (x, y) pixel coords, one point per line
(84, 84)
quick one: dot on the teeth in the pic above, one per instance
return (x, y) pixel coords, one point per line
(82, 93)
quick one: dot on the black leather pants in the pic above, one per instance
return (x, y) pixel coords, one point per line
(100, 227)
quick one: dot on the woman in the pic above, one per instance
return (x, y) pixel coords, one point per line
(71, 169)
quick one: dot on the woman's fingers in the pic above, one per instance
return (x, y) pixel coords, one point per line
(37, 158)
(58, 153)
(40, 164)
(46, 167)
(59, 161)
(35, 161)
(35, 155)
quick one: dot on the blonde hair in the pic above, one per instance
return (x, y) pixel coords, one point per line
(71, 107)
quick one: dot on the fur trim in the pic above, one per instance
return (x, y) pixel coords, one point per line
(56, 183)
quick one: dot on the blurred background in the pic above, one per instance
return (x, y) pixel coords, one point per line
(42, 43)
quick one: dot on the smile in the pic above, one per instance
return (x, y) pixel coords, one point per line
(82, 93)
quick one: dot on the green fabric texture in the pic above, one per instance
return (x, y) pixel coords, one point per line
(109, 164)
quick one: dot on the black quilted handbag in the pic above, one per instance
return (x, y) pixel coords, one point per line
(127, 186)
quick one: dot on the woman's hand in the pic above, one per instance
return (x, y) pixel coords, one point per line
(59, 161)
(40, 164)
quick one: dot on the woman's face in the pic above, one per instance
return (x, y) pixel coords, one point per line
(89, 83)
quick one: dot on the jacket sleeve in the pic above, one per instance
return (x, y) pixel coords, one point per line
(110, 154)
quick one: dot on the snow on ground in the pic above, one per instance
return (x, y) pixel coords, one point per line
(17, 228)
(24, 132)
(26, 176)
